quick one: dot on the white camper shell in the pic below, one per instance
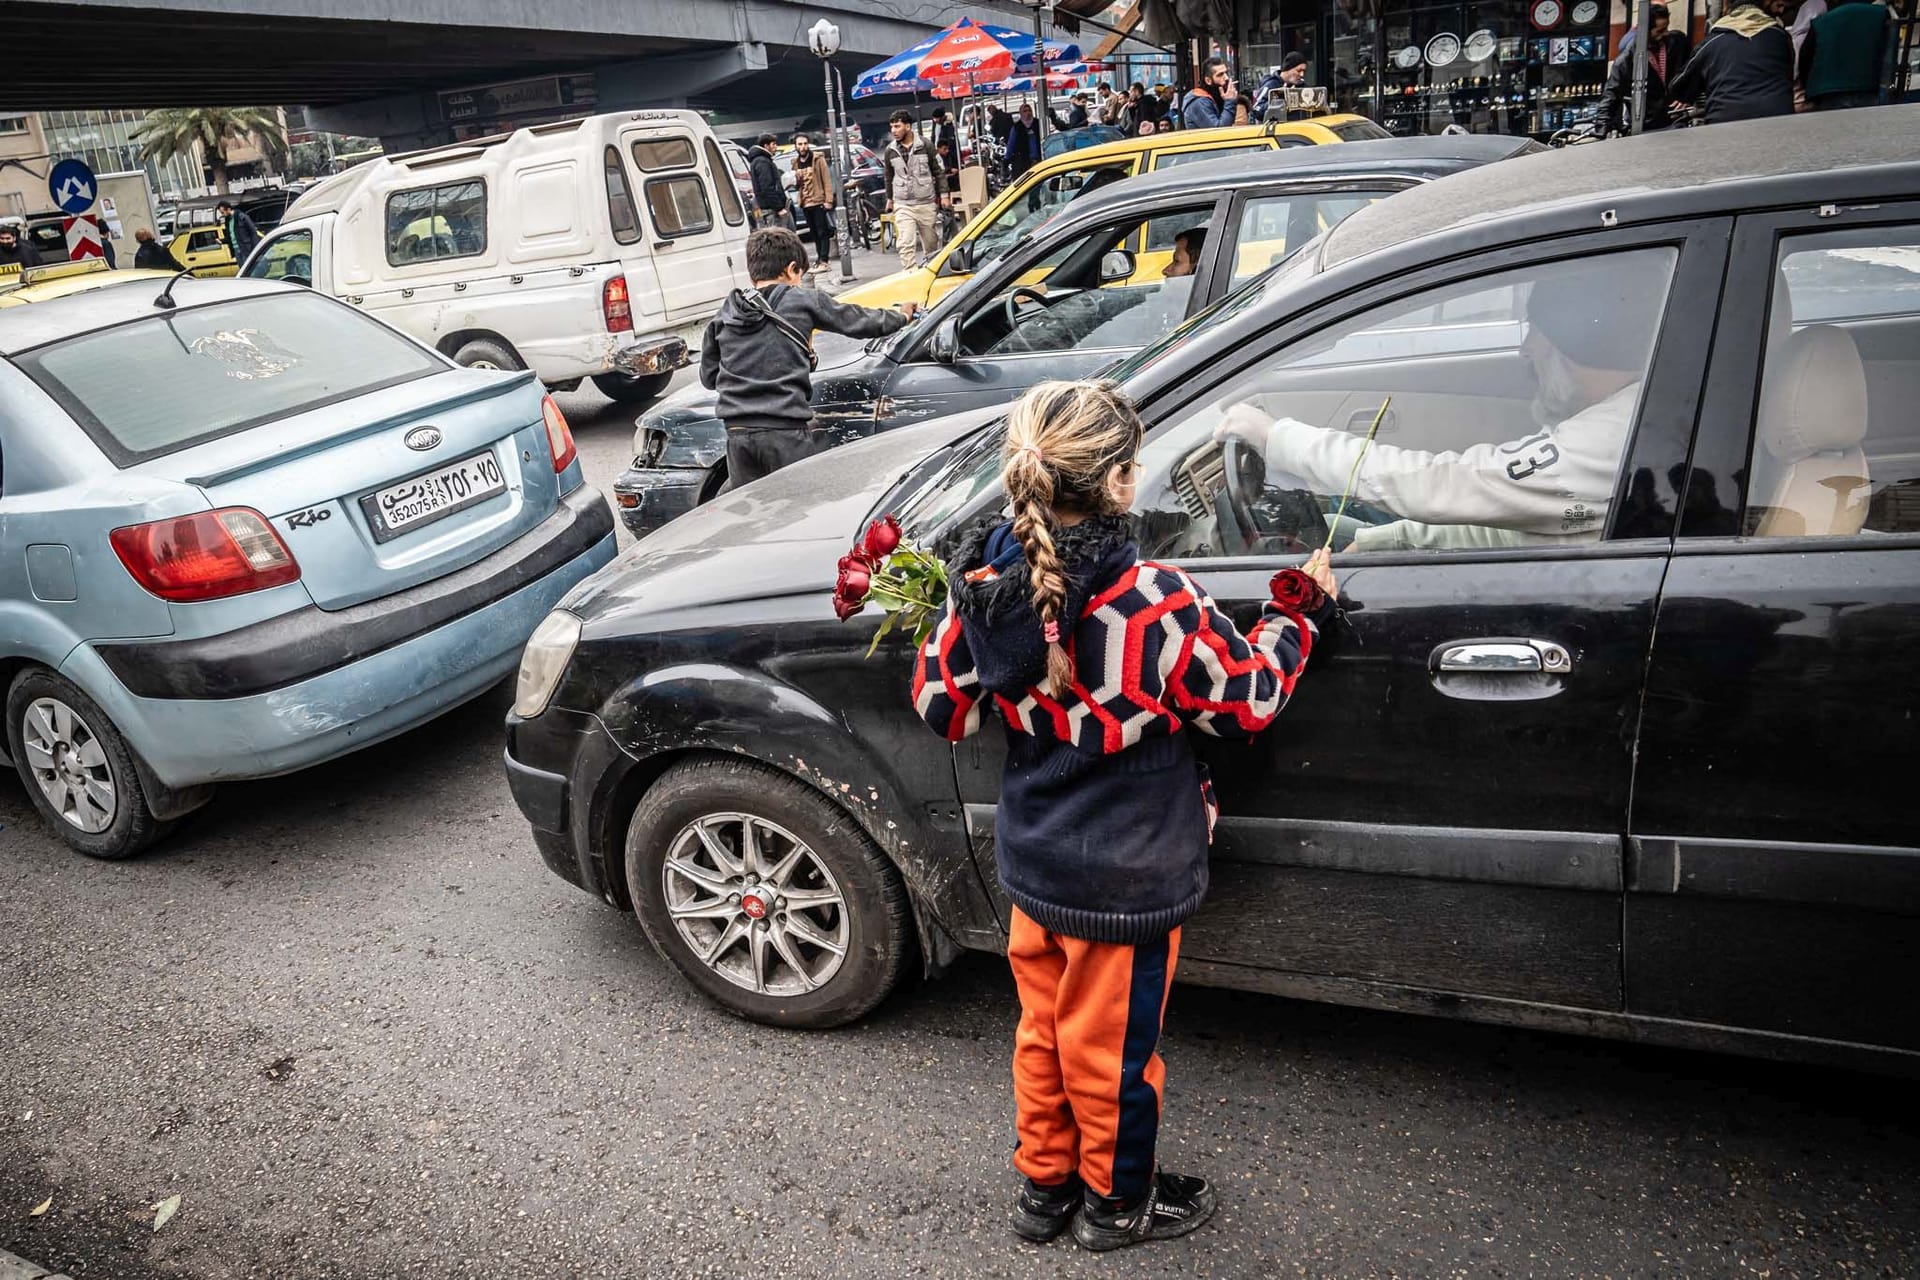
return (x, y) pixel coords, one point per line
(595, 248)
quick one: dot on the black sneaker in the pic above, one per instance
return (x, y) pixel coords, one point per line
(1041, 1213)
(1174, 1205)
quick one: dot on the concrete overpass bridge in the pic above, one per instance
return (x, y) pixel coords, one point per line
(430, 71)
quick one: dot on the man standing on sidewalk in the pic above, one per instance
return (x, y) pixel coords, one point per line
(915, 192)
(814, 181)
(769, 197)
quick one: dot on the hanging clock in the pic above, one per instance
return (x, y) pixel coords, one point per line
(1408, 58)
(1546, 14)
(1585, 12)
(1481, 45)
(1443, 49)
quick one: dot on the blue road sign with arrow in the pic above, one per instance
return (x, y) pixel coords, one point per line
(72, 185)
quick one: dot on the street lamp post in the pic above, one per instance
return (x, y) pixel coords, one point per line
(824, 39)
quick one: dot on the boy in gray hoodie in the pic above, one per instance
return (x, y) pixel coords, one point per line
(758, 355)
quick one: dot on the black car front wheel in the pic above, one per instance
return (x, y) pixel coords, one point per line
(767, 896)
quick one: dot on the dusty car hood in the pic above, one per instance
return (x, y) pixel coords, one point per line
(780, 536)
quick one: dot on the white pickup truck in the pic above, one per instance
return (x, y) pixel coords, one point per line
(594, 248)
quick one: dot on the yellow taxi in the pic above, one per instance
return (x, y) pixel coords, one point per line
(204, 250)
(59, 279)
(1049, 185)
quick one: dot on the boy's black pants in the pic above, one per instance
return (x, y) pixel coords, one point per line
(753, 452)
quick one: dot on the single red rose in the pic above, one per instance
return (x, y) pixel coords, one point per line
(883, 535)
(855, 581)
(1295, 592)
(844, 608)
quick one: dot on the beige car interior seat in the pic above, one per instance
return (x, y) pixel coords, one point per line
(1810, 475)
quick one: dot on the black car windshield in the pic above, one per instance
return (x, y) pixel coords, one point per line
(177, 378)
(958, 488)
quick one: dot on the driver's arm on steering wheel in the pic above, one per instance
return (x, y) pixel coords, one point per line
(1484, 484)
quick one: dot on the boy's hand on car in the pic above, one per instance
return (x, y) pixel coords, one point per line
(911, 308)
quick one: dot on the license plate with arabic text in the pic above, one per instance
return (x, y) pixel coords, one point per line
(432, 495)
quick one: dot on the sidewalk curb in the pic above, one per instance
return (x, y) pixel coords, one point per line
(12, 1268)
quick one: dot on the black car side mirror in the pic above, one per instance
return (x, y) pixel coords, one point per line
(960, 261)
(1116, 265)
(946, 341)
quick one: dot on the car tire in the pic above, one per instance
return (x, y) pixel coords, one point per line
(488, 353)
(632, 388)
(869, 919)
(106, 816)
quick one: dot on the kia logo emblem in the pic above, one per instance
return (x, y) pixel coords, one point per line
(423, 438)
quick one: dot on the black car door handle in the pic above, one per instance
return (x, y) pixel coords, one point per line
(1502, 656)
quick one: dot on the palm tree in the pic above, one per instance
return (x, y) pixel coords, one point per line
(173, 131)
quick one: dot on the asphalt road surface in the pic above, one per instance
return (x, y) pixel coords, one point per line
(356, 1026)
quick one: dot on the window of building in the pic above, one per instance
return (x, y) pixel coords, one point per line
(13, 124)
(654, 155)
(730, 206)
(433, 223)
(1502, 429)
(620, 210)
(1836, 448)
(679, 205)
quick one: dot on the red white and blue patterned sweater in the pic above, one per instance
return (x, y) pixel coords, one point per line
(1102, 827)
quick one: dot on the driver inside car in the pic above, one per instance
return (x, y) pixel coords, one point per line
(1589, 332)
(1156, 306)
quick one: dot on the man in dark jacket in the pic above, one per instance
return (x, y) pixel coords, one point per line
(241, 235)
(1023, 143)
(1213, 103)
(16, 252)
(1667, 55)
(1844, 58)
(769, 197)
(758, 355)
(1743, 70)
(151, 254)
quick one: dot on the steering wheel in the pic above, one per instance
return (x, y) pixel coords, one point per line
(1012, 304)
(1301, 525)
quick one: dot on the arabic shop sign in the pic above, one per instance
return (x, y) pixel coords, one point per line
(518, 97)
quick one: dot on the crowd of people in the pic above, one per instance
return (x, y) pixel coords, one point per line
(1761, 58)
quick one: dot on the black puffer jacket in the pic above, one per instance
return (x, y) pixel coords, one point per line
(768, 195)
(1743, 70)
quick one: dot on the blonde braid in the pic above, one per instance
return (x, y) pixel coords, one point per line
(1063, 440)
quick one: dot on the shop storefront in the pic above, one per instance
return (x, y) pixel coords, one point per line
(1490, 66)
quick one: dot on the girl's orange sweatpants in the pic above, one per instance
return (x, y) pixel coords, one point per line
(1087, 1079)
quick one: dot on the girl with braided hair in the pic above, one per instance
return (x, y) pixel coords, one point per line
(1097, 660)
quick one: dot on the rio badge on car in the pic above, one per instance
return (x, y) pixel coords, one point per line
(432, 494)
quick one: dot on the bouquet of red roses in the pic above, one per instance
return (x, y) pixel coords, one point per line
(909, 584)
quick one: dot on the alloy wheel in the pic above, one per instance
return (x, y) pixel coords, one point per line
(755, 904)
(69, 764)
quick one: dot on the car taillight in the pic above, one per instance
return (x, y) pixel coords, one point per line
(206, 556)
(614, 302)
(559, 438)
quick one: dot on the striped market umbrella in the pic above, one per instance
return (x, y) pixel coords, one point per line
(966, 52)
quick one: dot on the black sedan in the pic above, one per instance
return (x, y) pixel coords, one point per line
(1095, 283)
(1610, 738)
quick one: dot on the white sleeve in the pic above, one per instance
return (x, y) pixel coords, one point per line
(1556, 481)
